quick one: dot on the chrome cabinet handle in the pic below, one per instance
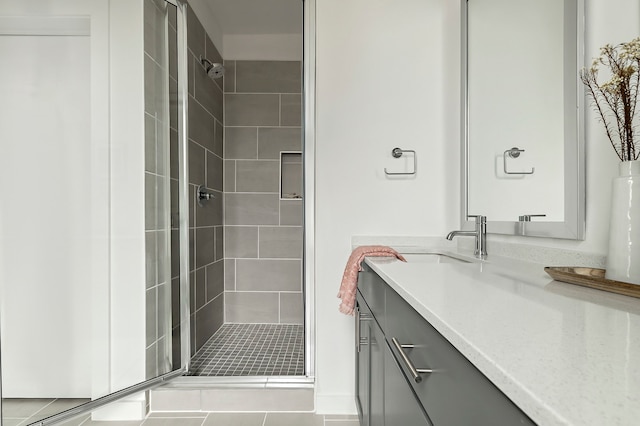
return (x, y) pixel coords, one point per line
(361, 316)
(415, 372)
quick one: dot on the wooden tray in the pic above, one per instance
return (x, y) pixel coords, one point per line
(592, 277)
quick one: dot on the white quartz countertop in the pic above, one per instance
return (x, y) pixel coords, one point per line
(566, 355)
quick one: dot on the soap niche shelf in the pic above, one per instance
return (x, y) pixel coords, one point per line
(290, 175)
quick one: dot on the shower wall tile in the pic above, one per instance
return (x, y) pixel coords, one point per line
(210, 213)
(204, 246)
(251, 209)
(151, 320)
(281, 242)
(162, 201)
(257, 176)
(215, 280)
(207, 93)
(273, 140)
(173, 50)
(291, 308)
(230, 76)
(151, 259)
(151, 361)
(196, 34)
(153, 32)
(149, 143)
(219, 235)
(230, 274)
(201, 287)
(252, 110)
(229, 176)
(191, 67)
(153, 87)
(215, 172)
(206, 131)
(201, 125)
(262, 117)
(251, 307)
(268, 76)
(192, 204)
(241, 143)
(150, 201)
(173, 154)
(291, 212)
(196, 164)
(241, 241)
(213, 55)
(210, 317)
(291, 110)
(218, 139)
(173, 104)
(163, 249)
(268, 275)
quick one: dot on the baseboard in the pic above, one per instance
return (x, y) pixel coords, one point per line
(336, 404)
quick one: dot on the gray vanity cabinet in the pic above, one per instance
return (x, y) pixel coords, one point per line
(370, 367)
(449, 391)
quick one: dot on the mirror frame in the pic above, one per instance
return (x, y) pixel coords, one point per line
(574, 225)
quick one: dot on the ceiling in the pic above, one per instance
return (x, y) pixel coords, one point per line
(257, 16)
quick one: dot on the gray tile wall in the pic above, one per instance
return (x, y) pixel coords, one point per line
(206, 120)
(263, 233)
(157, 181)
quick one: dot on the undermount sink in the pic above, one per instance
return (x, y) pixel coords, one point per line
(432, 258)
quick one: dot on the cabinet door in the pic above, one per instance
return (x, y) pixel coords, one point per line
(401, 408)
(363, 362)
(376, 388)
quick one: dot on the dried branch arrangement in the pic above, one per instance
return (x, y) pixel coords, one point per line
(615, 100)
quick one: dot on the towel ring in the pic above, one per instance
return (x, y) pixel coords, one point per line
(397, 153)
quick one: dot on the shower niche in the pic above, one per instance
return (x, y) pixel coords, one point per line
(291, 175)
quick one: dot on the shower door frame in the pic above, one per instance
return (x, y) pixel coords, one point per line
(183, 195)
(308, 263)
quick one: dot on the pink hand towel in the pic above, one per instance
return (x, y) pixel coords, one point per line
(349, 283)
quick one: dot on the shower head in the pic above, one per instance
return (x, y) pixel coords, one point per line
(214, 70)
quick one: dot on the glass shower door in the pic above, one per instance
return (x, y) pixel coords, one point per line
(91, 128)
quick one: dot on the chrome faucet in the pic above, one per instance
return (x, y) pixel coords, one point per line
(481, 236)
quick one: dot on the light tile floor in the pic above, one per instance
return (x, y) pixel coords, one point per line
(19, 412)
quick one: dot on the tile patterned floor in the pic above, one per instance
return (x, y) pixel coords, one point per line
(22, 412)
(252, 350)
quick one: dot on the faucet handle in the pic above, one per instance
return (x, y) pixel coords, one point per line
(479, 218)
(527, 217)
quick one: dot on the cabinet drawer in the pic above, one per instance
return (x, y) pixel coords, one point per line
(455, 393)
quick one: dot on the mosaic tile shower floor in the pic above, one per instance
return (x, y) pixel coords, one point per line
(252, 350)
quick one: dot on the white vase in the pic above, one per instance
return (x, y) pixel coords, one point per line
(623, 259)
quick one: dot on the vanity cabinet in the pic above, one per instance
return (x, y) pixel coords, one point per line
(370, 345)
(448, 390)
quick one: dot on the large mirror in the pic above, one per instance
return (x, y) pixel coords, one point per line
(522, 116)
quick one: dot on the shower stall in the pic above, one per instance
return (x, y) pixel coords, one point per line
(245, 149)
(152, 222)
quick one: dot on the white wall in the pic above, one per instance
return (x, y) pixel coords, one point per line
(384, 80)
(387, 75)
